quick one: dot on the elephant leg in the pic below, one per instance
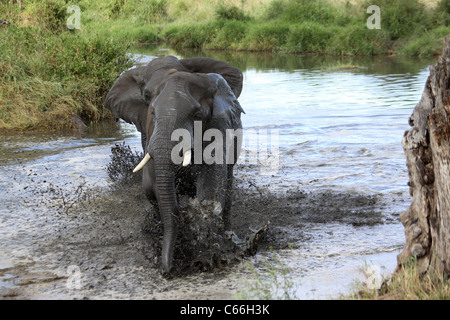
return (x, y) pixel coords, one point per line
(213, 184)
(228, 198)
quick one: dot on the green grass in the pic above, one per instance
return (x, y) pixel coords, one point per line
(295, 26)
(192, 36)
(323, 27)
(230, 35)
(297, 11)
(428, 44)
(407, 283)
(52, 74)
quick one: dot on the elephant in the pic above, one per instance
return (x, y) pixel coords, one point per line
(171, 95)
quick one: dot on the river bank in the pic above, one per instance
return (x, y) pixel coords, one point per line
(412, 28)
(53, 76)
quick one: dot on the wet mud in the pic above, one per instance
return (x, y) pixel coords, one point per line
(91, 242)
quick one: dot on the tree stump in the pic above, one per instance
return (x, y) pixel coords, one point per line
(427, 149)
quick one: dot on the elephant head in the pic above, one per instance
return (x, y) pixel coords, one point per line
(170, 94)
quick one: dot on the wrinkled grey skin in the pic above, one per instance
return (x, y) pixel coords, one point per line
(169, 94)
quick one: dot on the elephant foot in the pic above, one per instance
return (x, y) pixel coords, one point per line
(167, 250)
(166, 274)
(166, 268)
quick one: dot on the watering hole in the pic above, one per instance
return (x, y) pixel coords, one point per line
(331, 203)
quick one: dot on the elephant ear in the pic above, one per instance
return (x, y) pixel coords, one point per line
(232, 75)
(226, 114)
(126, 101)
(226, 109)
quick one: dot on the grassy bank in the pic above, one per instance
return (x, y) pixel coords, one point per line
(408, 284)
(51, 73)
(337, 27)
(52, 76)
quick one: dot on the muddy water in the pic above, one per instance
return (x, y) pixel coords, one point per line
(333, 197)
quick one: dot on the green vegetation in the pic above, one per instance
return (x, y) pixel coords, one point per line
(336, 27)
(51, 73)
(408, 284)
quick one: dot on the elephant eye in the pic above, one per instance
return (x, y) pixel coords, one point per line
(147, 97)
(198, 115)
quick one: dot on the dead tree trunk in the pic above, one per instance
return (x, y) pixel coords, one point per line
(427, 148)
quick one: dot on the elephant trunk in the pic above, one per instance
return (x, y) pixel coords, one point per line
(168, 207)
(161, 148)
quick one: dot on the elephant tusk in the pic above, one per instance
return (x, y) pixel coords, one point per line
(142, 163)
(187, 158)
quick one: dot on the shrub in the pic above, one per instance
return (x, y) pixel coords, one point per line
(309, 37)
(266, 36)
(151, 11)
(101, 61)
(230, 13)
(297, 11)
(442, 12)
(192, 36)
(148, 11)
(230, 35)
(48, 78)
(402, 18)
(426, 45)
(50, 14)
(357, 39)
